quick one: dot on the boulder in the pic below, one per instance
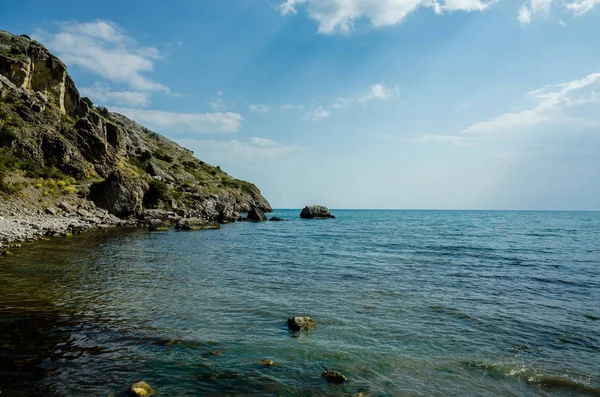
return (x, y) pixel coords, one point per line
(276, 219)
(315, 212)
(120, 194)
(196, 224)
(334, 377)
(301, 323)
(256, 215)
(141, 389)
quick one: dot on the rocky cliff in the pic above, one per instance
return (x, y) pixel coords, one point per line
(58, 143)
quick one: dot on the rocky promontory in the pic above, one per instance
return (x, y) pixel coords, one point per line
(56, 146)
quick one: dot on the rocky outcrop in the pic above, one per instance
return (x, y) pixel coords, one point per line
(301, 323)
(315, 212)
(55, 133)
(256, 215)
(120, 194)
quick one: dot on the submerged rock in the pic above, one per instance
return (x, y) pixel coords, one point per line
(256, 215)
(316, 212)
(276, 219)
(267, 363)
(334, 377)
(301, 323)
(141, 389)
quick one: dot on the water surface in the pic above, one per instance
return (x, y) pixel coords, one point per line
(409, 303)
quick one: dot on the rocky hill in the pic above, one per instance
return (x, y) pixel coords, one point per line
(56, 146)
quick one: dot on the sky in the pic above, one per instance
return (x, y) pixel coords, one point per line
(390, 104)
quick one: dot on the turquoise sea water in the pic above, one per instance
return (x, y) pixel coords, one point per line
(408, 303)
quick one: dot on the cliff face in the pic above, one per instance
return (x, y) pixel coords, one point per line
(47, 130)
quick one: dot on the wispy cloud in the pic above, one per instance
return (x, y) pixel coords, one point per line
(104, 48)
(551, 103)
(184, 122)
(374, 92)
(105, 96)
(218, 103)
(317, 113)
(340, 15)
(259, 108)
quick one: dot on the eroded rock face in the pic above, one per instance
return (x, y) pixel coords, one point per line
(120, 194)
(315, 212)
(301, 323)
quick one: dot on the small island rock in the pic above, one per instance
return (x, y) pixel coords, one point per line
(316, 212)
(141, 389)
(301, 323)
(256, 215)
(334, 377)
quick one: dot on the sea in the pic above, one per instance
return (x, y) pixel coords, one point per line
(408, 303)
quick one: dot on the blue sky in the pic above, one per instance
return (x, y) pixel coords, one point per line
(457, 104)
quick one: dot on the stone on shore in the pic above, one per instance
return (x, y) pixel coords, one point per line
(301, 323)
(141, 389)
(334, 377)
(256, 215)
(315, 212)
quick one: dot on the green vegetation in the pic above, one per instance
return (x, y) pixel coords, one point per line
(7, 135)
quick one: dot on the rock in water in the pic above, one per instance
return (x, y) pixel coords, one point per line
(141, 389)
(196, 224)
(267, 363)
(276, 219)
(334, 377)
(301, 323)
(316, 212)
(256, 215)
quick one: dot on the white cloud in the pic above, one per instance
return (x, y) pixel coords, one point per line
(524, 16)
(340, 15)
(184, 122)
(104, 95)
(104, 48)
(429, 138)
(580, 7)
(234, 151)
(562, 23)
(552, 103)
(318, 113)
(259, 108)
